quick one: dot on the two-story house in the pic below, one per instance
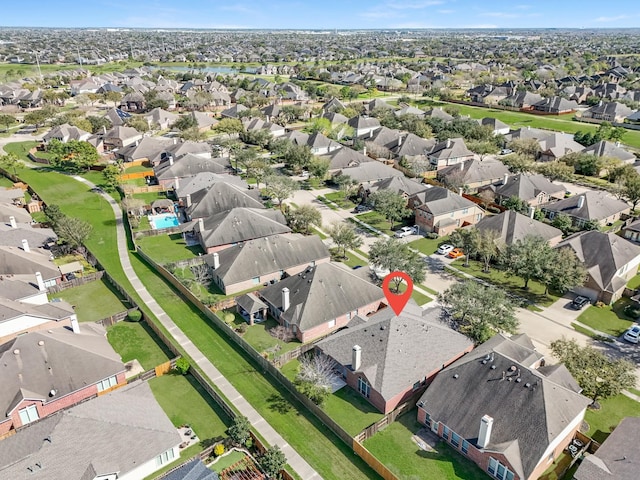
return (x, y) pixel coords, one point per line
(441, 211)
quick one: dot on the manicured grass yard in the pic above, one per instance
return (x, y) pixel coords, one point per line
(353, 261)
(634, 282)
(394, 447)
(168, 248)
(609, 319)
(84, 299)
(601, 422)
(135, 340)
(535, 292)
(5, 183)
(185, 402)
(150, 197)
(428, 246)
(338, 199)
(326, 453)
(227, 460)
(376, 220)
(260, 339)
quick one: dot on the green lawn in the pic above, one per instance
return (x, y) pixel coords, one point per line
(5, 183)
(186, 403)
(326, 453)
(261, 340)
(535, 292)
(93, 301)
(601, 422)
(589, 333)
(138, 168)
(428, 246)
(135, 340)
(353, 261)
(350, 410)
(609, 319)
(150, 197)
(168, 248)
(227, 460)
(376, 220)
(394, 447)
(634, 282)
(338, 199)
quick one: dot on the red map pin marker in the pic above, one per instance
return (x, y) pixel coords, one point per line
(397, 301)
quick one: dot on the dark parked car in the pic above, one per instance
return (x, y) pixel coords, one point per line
(579, 302)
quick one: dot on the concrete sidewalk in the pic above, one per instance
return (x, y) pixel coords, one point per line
(295, 461)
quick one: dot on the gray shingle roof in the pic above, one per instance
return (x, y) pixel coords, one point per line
(402, 185)
(528, 186)
(413, 145)
(450, 148)
(71, 362)
(603, 254)
(267, 255)
(371, 171)
(15, 261)
(116, 432)
(221, 197)
(528, 415)
(187, 166)
(204, 180)
(13, 289)
(37, 237)
(148, 147)
(438, 201)
(250, 303)
(476, 171)
(596, 206)
(242, 224)
(617, 458)
(193, 470)
(397, 351)
(512, 226)
(345, 158)
(610, 149)
(320, 294)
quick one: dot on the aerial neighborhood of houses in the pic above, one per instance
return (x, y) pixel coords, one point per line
(194, 240)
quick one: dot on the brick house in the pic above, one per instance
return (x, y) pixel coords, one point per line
(449, 152)
(441, 211)
(503, 409)
(532, 188)
(77, 366)
(320, 300)
(588, 206)
(388, 359)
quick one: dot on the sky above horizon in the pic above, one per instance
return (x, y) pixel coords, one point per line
(324, 14)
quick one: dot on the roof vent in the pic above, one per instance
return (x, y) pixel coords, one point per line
(16, 351)
(527, 385)
(41, 343)
(518, 379)
(52, 393)
(512, 368)
(456, 376)
(493, 367)
(484, 362)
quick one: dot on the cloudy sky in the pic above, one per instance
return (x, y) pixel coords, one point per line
(322, 14)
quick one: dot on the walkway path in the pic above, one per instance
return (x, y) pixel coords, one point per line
(295, 461)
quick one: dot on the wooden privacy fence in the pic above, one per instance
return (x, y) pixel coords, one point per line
(131, 190)
(136, 175)
(373, 462)
(76, 282)
(390, 417)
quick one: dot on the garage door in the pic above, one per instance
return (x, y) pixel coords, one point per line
(586, 292)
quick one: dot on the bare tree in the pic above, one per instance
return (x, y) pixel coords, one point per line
(487, 196)
(281, 333)
(133, 206)
(202, 274)
(316, 369)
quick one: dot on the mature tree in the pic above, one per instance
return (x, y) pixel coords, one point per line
(516, 204)
(99, 123)
(115, 97)
(192, 134)
(74, 155)
(488, 247)
(53, 213)
(37, 118)
(300, 219)
(599, 375)
(584, 163)
(239, 430)
(138, 123)
(111, 175)
(518, 163)
(556, 171)
(297, 156)
(273, 461)
(185, 122)
(528, 147)
(467, 239)
(592, 224)
(258, 168)
(228, 126)
(260, 137)
(564, 271)
(133, 206)
(72, 231)
(527, 258)
(315, 373)
(392, 205)
(483, 148)
(280, 187)
(10, 162)
(479, 312)
(394, 255)
(487, 196)
(631, 189)
(344, 235)
(319, 167)
(346, 184)
(563, 222)
(7, 121)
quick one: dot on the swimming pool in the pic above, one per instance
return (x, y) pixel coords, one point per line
(165, 220)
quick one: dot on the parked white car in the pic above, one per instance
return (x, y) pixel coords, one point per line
(405, 232)
(633, 334)
(444, 249)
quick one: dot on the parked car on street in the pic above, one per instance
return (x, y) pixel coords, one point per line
(444, 249)
(455, 253)
(405, 232)
(579, 302)
(633, 334)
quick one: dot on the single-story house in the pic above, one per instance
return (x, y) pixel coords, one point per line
(321, 145)
(370, 172)
(218, 198)
(161, 118)
(441, 211)
(608, 112)
(617, 457)
(264, 260)
(26, 261)
(474, 173)
(588, 206)
(555, 145)
(345, 158)
(611, 261)
(123, 434)
(204, 180)
(532, 188)
(511, 226)
(76, 366)
(503, 410)
(320, 300)
(145, 149)
(64, 133)
(555, 105)
(405, 186)
(389, 358)
(170, 171)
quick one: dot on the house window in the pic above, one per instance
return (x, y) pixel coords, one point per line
(455, 439)
(465, 447)
(445, 432)
(498, 470)
(427, 420)
(465, 211)
(331, 323)
(255, 280)
(28, 414)
(107, 383)
(478, 217)
(165, 457)
(363, 387)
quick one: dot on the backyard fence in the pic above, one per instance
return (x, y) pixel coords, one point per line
(373, 462)
(76, 282)
(113, 319)
(132, 190)
(155, 233)
(390, 417)
(135, 175)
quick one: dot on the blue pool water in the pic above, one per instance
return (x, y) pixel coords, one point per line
(166, 220)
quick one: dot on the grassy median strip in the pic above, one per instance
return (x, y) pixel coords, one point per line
(325, 452)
